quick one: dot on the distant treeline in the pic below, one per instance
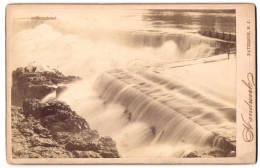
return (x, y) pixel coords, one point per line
(196, 10)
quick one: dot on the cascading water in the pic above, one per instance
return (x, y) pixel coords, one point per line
(169, 115)
(121, 93)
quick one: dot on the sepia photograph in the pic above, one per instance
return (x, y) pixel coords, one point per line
(124, 81)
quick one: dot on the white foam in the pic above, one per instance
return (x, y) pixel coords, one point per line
(37, 67)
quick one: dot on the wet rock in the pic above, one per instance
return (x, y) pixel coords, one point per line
(26, 131)
(30, 107)
(103, 148)
(31, 140)
(218, 153)
(83, 146)
(85, 135)
(109, 153)
(86, 154)
(109, 148)
(41, 131)
(57, 116)
(107, 141)
(37, 141)
(53, 130)
(62, 137)
(51, 152)
(50, 129)
(231, 154)
(36, 82)
(194, 154)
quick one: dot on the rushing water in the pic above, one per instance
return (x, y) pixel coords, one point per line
(147, 114)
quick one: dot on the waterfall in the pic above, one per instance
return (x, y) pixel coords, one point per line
(148, 114)
(166, 110)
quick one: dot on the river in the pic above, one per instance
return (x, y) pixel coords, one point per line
(133, 104)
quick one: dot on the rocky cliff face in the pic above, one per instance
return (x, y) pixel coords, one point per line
(35, 81)
(53, 130)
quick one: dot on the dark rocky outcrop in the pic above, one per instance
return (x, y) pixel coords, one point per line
(53, 130)
(50, 129)
(31, 140)
(193, 154)
(33, 83)
(55, 115)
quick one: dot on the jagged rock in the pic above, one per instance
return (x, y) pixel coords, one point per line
(109, 147)
(17, 116)
(52, 129)
(26, 131)
(55, 115)
(83, 146)
(36, 81)
(108, 153)
(85, 135)
(194, 154)
(107, 141)
(37, 141)
(102, 147)
(30, 107)
(41, 131)
(28, 140)
(86, 154)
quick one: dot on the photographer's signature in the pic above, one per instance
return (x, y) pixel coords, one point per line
(247, 117)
